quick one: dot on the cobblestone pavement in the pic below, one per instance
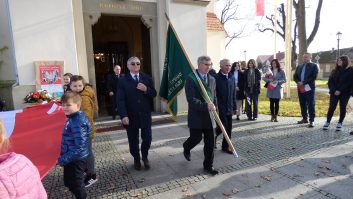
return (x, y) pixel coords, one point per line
(279, 155)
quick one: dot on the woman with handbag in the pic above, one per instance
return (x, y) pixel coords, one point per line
(274, 78)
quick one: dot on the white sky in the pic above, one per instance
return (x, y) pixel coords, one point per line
(335, 16)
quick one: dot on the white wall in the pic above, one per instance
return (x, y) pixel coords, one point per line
(216, 47)
(7, 70)
(189, 21)
(42, 30)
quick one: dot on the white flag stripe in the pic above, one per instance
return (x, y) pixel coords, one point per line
(52, 109)
(8, 117)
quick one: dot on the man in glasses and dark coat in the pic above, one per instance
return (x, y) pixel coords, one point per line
(200, 123)
(135, 94)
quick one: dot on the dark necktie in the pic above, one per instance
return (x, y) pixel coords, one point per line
(204, 78)
(136, 78)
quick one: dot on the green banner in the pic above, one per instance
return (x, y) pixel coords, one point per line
(176, 69)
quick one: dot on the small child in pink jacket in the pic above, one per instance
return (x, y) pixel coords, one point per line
(19, 178)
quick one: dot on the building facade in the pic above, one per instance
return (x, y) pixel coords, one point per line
(91, 36)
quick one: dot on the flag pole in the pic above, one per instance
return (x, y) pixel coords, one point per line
(218, 120)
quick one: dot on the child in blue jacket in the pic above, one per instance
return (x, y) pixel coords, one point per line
(74, 144)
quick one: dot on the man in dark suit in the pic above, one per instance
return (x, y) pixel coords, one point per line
(305, 76)
(199, 119)
(225, 89)
(135, 94)
(112, 85)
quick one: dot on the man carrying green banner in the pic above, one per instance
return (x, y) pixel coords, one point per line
(200, 121)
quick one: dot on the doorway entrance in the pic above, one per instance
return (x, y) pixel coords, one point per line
(115, 39)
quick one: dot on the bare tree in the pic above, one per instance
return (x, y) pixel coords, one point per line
(299, 27)
(229, 13)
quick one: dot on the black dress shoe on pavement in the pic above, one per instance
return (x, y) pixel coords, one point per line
(351, 133)
(254, 119)
(303, 121)
(311, 125)
(211, 171)
(137, 165)
(187, 155)
(146, 163)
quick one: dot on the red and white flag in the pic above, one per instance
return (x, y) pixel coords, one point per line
(260, 7)
(36, 133)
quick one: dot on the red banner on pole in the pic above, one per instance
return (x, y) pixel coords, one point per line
(260, 8)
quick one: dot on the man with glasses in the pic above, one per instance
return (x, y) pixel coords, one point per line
(199, 119)
(134, 97)
(225, 89)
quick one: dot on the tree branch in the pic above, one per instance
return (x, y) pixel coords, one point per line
(317, 23)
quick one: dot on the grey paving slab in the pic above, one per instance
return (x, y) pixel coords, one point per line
(277, 160)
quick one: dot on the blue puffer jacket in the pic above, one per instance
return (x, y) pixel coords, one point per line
(75, 139)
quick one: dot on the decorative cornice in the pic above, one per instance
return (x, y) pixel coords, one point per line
(197, 2)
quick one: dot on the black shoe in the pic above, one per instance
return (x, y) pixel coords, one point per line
(249, 118)
(211, 170)
(254, 119)
(187, 155)
(146, 163)
(311, 125)
(237, 118)
(351, 133)
(137, 165)
(90, 180)
(303, 121)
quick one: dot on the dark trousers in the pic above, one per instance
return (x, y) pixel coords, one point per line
(307, 103)
(90, 160)
(195, 138)
(133, 137)
(227, 123)
(274, 106)
(343, 99)
(74, 178)
(251, 105)
(113, 110)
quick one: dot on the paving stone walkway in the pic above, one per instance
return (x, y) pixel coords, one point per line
(277, 160)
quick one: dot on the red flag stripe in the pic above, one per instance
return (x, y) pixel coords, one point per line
(37, 135)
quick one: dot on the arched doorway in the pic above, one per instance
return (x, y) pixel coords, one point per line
(115, 39)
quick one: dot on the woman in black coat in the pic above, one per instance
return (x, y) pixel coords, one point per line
(339, 84)
(252, 82)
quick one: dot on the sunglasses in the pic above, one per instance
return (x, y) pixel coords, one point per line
(135, 63)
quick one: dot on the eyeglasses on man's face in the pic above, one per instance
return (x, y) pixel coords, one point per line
(135, 63)
(207, 64)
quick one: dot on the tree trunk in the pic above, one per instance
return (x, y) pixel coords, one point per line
(300, 15)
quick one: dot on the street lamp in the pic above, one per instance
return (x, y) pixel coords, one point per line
(339, 35)
(245, 55)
